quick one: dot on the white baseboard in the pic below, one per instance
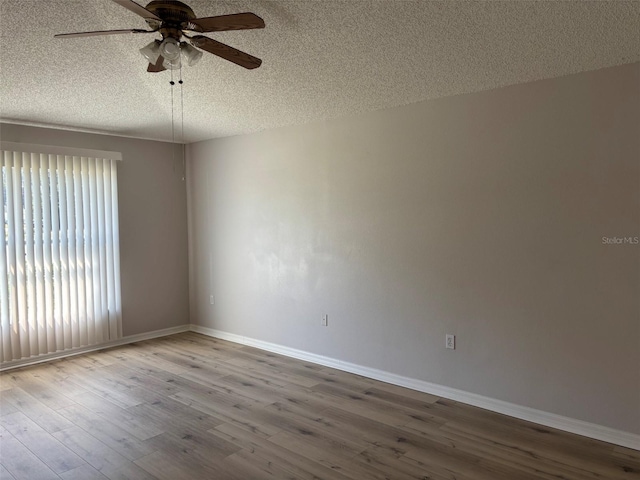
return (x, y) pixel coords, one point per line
(92, 348)
(579, 427)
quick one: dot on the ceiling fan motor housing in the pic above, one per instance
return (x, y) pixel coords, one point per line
(175, 16)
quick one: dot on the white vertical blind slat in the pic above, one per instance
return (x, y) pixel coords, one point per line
(65, 284)
(59, 254)
(11, 267)
(95, 250)
(109, 250)
(29, 260)
(102, 254)
(19, 277)
(5, 327)
(38, 254)
(115, 247)
(78, 233)
(47, 258)
(86, 258)
(71, 252)
(55, 173)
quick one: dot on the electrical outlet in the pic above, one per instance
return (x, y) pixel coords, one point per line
(451, 341)
(211, 300)
(325, 320)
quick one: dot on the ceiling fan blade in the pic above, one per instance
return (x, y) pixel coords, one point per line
(158, 67)
(237, 21)
(138, 9)
(225, 51)
(102, 32)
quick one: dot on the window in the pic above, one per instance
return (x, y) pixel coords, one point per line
(59, 251)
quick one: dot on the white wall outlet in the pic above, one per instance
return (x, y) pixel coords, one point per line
(325, 320)
(211, 300)
(451, 341)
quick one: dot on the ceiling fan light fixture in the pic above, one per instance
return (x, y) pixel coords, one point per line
(192, 55)
(151, 51)
(170, 49)
(171, 64)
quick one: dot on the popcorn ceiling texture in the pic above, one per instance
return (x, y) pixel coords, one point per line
(322, 60)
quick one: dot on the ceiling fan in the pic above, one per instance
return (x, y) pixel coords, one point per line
(171, 19)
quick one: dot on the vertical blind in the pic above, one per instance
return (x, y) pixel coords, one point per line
(59, 252)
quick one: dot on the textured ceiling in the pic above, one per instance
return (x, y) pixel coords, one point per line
(322, 59)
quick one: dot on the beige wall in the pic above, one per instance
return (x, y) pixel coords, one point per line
(480, 215)
(153, 224)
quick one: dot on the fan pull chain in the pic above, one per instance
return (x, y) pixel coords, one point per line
(184, 161)
(173, 132)
(173, 129)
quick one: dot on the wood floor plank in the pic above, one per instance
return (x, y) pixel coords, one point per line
(272, 373)
(126, 355)
(309, 429)
(20, 462)
(42, 390)
(146, 376)
(92, 359)
(49, 450)
(5, 381)
(7, 405)
(371, 407)
(56, 375)
(393, 440)
(405, 392)
(317, 445)
(84, 472)
(90, 449)
(521, 460)
(101, 383)
(204, 448)
(260, 391)
(165, 466)
(391, 466)
(189, 407)
(109, 433)
(170, 415)
(459, 465)
(48, 419)
(139, 426)
(239, 414)
(358, 468)
(4, 473)
(256, 467)
(185, 465)
(12, 378)
(628, 458)
(130, 471)
(554, 456)
(185, 349)
(436, 470)
(291, 461)
(421, 405)
(278, 361)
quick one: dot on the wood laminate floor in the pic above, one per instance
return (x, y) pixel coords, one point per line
(191, 407)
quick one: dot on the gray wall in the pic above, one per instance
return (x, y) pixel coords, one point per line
(480, 215)
(153, 223)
